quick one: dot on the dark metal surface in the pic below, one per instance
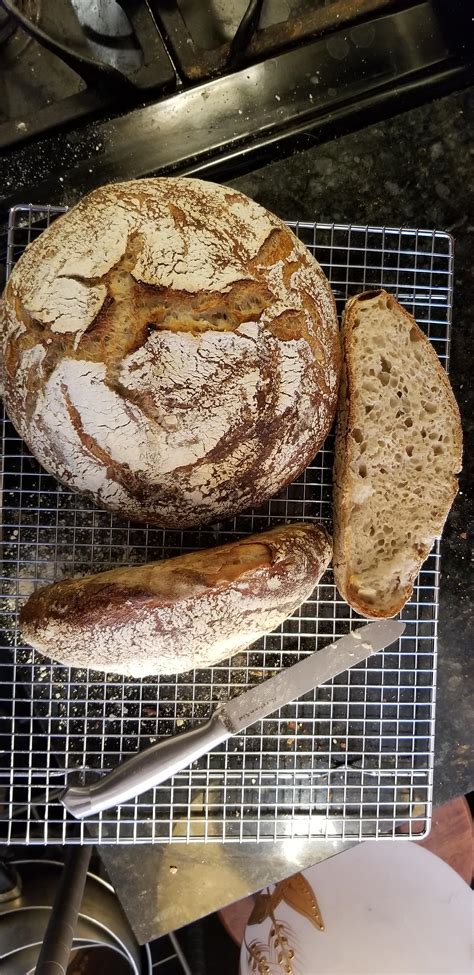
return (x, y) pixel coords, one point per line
(295, 99)
(7, 26)
(69, 40)
(202, 49)
(82, 58)
(93, 72)
(56, 947)
(244, 33)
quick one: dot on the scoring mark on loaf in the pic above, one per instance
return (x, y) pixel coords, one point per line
(232, 366)
(199, 252)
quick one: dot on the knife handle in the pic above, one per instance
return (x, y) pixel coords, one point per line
(146, 769)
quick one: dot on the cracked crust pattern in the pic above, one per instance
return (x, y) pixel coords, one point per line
(192, 611)
(171, 350)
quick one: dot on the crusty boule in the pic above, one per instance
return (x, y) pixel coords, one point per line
(171, 350)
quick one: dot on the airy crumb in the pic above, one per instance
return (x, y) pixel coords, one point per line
(398, 449)
(173, 869)
(367, 646)
(179, 722)
(355, 635)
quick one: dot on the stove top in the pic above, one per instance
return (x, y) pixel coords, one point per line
(179, 78)
(212, 37)
(65, 60)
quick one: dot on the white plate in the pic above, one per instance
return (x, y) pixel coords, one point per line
(388, 909)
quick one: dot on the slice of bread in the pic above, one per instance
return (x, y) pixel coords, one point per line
(398, 449)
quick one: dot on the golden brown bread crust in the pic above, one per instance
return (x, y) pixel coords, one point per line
(345, 539)
(170, 616)
(171, 349)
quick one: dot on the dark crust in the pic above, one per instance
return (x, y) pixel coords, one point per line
(84, 603)
(88, 602)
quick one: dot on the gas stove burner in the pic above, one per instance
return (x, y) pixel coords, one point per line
(7, 26)
(65, 60)
(10, 29)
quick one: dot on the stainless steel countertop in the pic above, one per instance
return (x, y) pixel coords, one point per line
(163, 887)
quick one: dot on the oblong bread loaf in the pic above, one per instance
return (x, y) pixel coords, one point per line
(171, 616)
(398, 450)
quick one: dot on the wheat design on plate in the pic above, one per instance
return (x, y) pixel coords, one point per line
(278, 954)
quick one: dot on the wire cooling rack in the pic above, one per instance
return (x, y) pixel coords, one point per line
(352, 759)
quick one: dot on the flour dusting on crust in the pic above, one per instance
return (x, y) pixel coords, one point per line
(120, 622)
(187, 356)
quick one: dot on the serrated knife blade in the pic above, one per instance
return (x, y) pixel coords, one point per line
(319, 667)
(158, 763)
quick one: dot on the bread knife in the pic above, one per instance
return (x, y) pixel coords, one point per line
(159, 762)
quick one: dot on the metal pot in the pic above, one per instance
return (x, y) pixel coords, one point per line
(101, 924)
(23, 961)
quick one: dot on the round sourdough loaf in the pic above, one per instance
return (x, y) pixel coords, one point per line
(192, 611)
(171, 350)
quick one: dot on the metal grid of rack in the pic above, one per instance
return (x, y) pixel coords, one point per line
(352, 759)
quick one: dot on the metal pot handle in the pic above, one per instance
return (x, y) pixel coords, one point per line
(56, 948)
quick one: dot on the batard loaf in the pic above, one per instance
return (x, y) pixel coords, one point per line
(171, 350)
(171, 616)
(398, 450)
